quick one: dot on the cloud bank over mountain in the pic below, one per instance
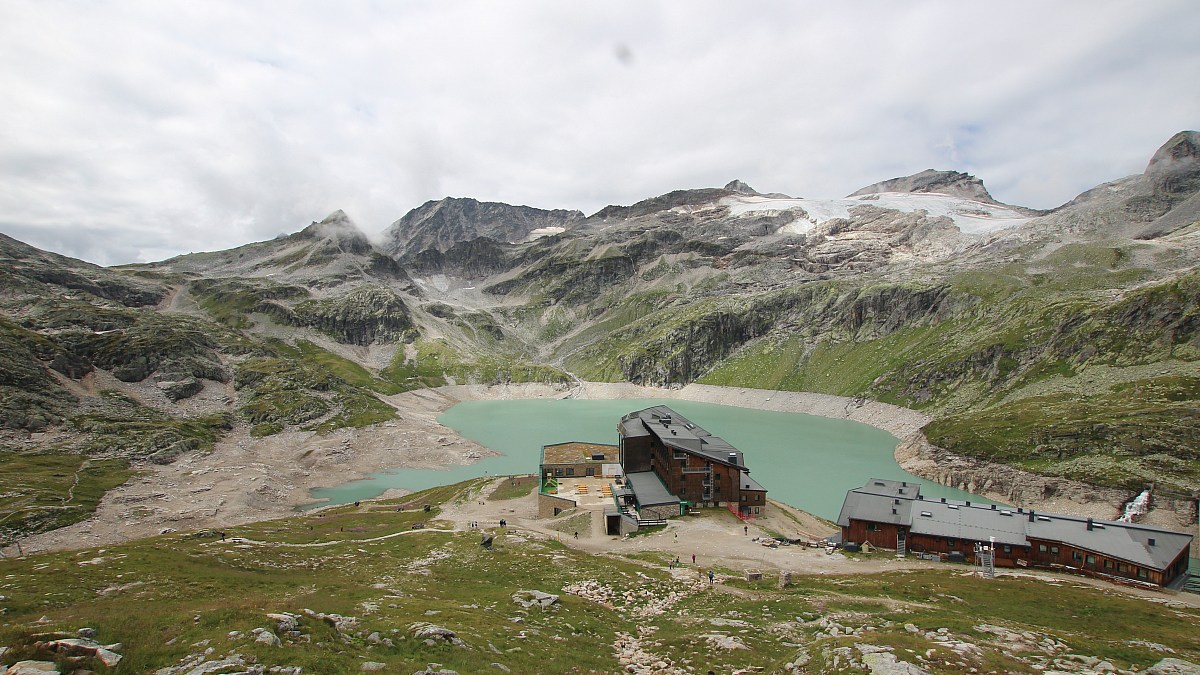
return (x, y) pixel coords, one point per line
(133, 133)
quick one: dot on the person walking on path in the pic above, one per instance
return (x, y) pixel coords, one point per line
(693, 558)
(746, 529)
(710, 577)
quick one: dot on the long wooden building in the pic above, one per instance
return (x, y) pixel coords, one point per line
(895, 515)
(660, 445)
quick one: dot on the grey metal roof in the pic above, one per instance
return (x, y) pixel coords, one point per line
(1127, 541)
(676, 431)
(649, 489)
(874, 508)
(977, 522)
(892, 488)
(631, 426)
(973, 523)
(748, 483)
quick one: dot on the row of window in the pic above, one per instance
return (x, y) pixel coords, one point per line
(570, 471)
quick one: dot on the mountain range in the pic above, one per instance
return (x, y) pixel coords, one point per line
(1062, 342)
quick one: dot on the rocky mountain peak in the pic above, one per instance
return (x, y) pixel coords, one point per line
(741, 188)
(1175, 167)
(443, 223)
(953, 183)
(1182, 148)
(337, 230)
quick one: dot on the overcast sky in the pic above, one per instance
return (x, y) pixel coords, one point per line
(134, 131)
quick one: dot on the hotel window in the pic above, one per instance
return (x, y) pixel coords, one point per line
(570, 471)
(1121, 567)
(1076, 556)
(1091, 560)
(1053, 550)
(1108, 564)
(1142, 574)
(1007, 548)
(872, 527)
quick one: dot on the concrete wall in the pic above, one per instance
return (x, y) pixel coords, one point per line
(547, 504)
(628, 524)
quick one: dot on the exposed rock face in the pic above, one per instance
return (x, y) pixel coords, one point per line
(365, 315)
(741, 188)
(952, 183)
(441, 224)
(917, 456)
(1175, 167)
(25, 267)
(682, 354)
(671, 200)
(569, 278)
(336, 234)
(474, 259)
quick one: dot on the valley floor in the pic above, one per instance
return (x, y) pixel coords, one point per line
(248, 479)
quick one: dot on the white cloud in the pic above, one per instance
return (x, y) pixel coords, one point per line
(133, 131)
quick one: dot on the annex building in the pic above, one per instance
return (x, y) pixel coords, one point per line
(895, 515)
(671, 463)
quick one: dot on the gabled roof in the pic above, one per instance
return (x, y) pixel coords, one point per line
(973, 523)
(900, 503)
(748, 483)
(874, 508)
(1127, 541)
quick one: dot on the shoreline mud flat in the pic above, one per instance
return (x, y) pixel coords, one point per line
(246, 479)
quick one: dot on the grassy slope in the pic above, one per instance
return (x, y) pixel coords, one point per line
(167, 597)
(43, 492)
(1053, 371)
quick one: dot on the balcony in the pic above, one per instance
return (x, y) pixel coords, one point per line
(704, 470)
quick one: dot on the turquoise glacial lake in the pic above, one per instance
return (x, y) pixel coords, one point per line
(803, 460)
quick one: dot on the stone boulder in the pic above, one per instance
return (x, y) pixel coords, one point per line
(1173, 667)
(535, 599)
(433, 634)
(32, 668)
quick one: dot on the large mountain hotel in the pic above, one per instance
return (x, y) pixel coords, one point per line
(670, 462)
(895, 515)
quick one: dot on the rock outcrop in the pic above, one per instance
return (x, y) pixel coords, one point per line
(953, 183)
(442, 224)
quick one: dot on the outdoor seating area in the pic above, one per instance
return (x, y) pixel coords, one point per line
(586, 491)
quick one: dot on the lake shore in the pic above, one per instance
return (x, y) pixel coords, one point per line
(246, 479)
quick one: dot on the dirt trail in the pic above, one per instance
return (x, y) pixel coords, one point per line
(716, 538)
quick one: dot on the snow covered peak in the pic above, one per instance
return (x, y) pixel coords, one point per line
(970, 216)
